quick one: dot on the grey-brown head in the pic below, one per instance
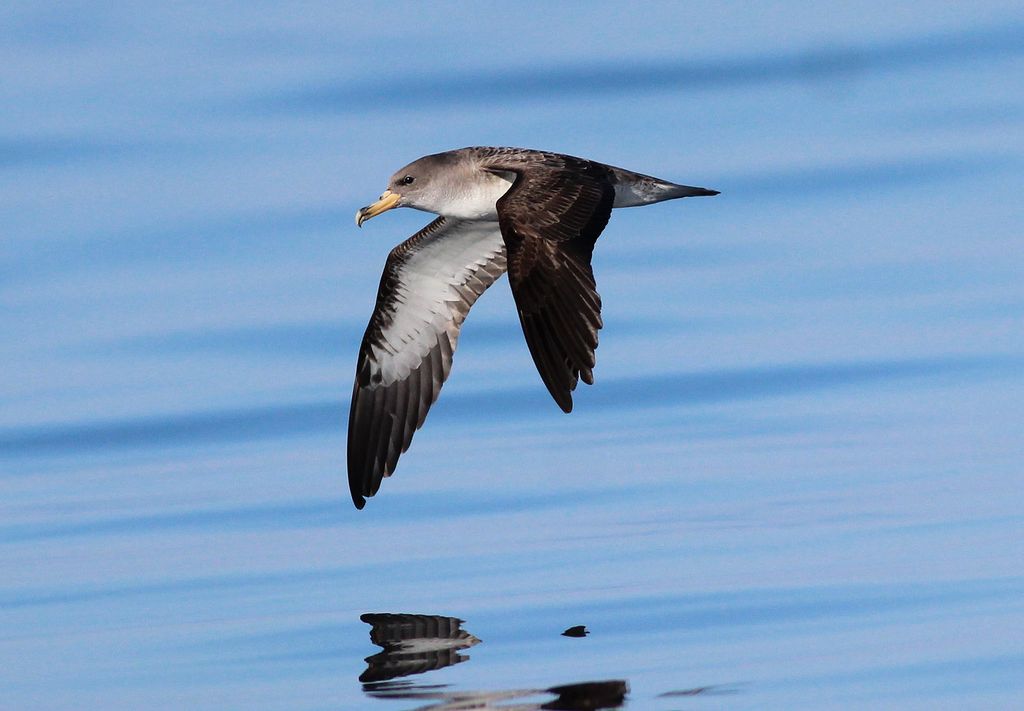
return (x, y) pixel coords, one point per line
(428, 183)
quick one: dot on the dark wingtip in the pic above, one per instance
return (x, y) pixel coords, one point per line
(562, 398)
(355, 482)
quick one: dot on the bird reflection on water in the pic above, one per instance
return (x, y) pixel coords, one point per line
(584, 696)
(415, 644)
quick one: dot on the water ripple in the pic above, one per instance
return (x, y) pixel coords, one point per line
(547, 83)
(678, 389)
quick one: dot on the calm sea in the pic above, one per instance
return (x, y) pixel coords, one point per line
(796, 483)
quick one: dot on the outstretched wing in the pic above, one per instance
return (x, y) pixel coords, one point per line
(430, 281)
(550, 219)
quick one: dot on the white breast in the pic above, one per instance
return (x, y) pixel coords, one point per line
(478, 202)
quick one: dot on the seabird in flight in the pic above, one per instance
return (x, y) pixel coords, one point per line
(532, 213)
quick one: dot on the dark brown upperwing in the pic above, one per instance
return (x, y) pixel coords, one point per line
(550, 219)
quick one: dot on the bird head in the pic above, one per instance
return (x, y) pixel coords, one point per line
(418, 185)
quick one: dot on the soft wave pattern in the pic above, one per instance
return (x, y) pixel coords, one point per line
(796, 482)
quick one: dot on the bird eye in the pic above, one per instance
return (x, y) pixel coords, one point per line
(407, 179)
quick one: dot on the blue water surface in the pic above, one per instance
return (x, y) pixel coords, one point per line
(796, 483)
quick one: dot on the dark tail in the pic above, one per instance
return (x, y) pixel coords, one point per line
(679, 191)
